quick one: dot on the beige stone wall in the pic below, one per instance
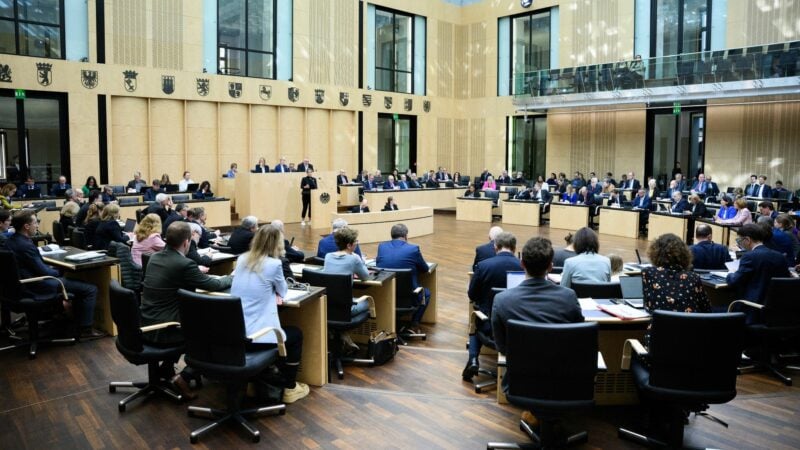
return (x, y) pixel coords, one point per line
(752, 22)
(754, 138)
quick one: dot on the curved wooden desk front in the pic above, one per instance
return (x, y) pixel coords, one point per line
(376, 226)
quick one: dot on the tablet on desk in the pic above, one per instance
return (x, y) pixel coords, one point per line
(514, 278)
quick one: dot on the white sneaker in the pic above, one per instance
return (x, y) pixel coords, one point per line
(302, 223)
(299, 391)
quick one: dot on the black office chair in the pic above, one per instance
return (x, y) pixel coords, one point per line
(691, 363)
(59, 233)
(778, 332)
(140, 213)
(597, 290)
(131, 273)
(316, 261)
(125, 312)
(14, 298)
(145, 260)
(128, 201)
(78, 239)
(339, 292)
(216, 348)
(406, 300)
(550, 371)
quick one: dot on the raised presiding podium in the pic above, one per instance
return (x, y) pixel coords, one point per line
(278, 196)
(375, 226)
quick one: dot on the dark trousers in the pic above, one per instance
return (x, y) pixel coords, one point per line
(294, 350)
(417, 317)
(475, 345)
(85, 300)
(306, 205)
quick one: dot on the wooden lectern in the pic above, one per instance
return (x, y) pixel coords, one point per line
(324, 200)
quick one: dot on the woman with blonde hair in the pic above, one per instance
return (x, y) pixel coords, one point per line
(258, 281)
(6, 193)
(67, 215)
(109, 229)
(165, 180)
(91, 222)
(147, 238)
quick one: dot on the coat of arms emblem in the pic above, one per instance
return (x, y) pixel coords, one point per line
(265, 92)
(129, 80)
(203, 86)
(294, 94)
(44, 73)
(89, 79)
(234, 89)
(167, 84)
(344, 98)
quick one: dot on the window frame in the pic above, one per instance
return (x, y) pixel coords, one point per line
(529, 14)
(681, 7)
(395, 71)
(17, 21)
(244, 72)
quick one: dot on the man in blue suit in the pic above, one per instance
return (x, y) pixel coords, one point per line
(679, 204)
(757, 266)
(486, 251)
(701, 185)
(762, 189)
(328, 245)
(641, 201)
(490, 273)
(281, 167)
(389, 184)
(399, 254)
(403, 183)
(369, 183)
(30, 265)
(706, 254)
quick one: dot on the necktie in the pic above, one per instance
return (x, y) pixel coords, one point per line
(760, 190)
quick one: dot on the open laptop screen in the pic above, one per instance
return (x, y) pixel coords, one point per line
(130, 224)
(514, 278)
(631, 287)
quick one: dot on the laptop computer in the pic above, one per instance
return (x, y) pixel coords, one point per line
(632, 292)
(514, 278)
(130, 224)
(191, 187)
(31, 193)
(171, 188)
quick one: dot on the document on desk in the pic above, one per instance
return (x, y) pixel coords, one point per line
(554, 277)
(293, 296)
(588, 304)
(624, 312)
(213, 254)
(369, 262)
(732, 266)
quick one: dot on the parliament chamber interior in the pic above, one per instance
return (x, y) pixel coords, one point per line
(399, 223)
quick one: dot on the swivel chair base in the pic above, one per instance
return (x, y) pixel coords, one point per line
(543, 439)
(674, 421)
(153, 385)
(772, 368)
(232, 413)
(32, 340)
(492, 381)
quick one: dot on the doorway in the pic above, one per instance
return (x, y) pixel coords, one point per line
(675, 136)
(397, 143)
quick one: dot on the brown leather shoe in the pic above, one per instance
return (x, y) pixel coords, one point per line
(183, 387)
(89, 333)
(530, 419)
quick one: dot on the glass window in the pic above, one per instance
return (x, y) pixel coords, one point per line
(394, 51)
(246, 37)
(527, 145)
(32, 28)
(530, 48)
(681, 26)
(396, 143)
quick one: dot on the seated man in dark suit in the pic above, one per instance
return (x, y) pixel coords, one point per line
(136, 183)
(31, 264)
(342, 178)
(706, 254)
(5, 224)
(160, 207)
(762, 189)
(525, 194)
(293, 254)
(176, 214)
(757, 266)
(536, 299)
(486, 251)
(490, 273)
(362, 207)
(641, 201)
(399, 254)
(680, 183)
(240, 238)
(701, 186)
(168, 271)
(328, 244)
(432, 183)
(390, 184)
(59, 188)
(713, 188)
(679, 204)
(155, 189)
(370, 184)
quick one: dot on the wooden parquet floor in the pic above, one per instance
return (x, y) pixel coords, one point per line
(61, 399)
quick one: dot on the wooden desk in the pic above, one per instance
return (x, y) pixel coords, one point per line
(382, 290)
(662, 223)
(221, 263)
(348, 194)
(97, 272)
(226, 187)
(435, 198)
(430, 281)
(569, 217)
(721, 234)
(376, 226)
(271, 196)
(612, 387)
(620, 222)
(474, 209)
(522, 212)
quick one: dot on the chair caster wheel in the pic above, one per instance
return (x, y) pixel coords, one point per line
(121, 408)
(112, 389)
(193, 439)
(282, 412)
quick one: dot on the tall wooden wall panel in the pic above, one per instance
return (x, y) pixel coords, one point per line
(320, 51)
(203, 138)
(443, 64)
(263, 137)
(343, 153)
(477, 59)
(762, 22)
(444, 142)
(129, 138)
(475, 159)
(127, 33)
(167, 139)
(461, 48)
(345, 42)
(234, 135)
(167, 34)
(318, 136)
(460, 150)
(292, 133)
